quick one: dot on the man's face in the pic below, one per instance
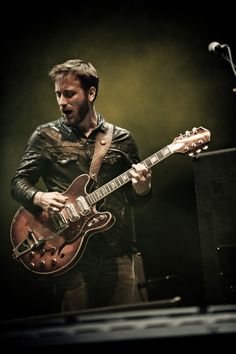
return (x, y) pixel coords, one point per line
(72, 99)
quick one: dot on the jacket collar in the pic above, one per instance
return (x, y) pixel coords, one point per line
(101, 126)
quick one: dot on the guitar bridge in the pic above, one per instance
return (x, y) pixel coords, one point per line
(59, 222)
(26, 245)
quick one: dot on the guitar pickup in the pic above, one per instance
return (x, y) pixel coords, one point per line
(83, 205)
(26, 245)
(72, 213)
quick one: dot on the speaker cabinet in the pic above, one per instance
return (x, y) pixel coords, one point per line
(215, 185)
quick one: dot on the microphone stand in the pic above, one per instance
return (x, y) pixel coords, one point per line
(230, 60)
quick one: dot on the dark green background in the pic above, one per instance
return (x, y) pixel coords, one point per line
(157, 80)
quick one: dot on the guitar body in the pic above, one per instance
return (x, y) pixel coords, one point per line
(51, 245)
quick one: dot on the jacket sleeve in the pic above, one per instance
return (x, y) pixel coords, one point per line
(132, 154)
(23, 184)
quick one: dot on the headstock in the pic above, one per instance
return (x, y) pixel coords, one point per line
(191, 142)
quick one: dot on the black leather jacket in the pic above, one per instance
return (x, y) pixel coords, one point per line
(58, 154)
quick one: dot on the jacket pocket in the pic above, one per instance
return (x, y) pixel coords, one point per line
(112, 157)
(62, 156)
(64, 159)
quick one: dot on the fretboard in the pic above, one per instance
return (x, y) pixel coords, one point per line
(125, 177)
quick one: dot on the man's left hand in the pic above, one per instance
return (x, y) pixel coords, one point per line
(141, 179)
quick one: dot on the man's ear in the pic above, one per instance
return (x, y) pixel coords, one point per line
(92, 93)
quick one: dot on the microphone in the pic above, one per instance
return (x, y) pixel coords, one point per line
(216, 47)
(220, 49)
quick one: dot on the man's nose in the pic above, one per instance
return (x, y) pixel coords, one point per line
(62, 101)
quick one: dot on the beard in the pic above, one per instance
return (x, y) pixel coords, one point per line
(74, 119)
(83, 111)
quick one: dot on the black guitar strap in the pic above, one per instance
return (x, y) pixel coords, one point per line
(103, 142)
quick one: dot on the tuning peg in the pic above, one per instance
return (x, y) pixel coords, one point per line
(198, 151)
(187, 133)
(194, 130)
(191, 154)
(205, 147)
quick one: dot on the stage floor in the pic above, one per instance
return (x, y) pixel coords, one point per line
(150, 322)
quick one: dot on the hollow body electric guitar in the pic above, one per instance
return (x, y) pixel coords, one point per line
(52, 244)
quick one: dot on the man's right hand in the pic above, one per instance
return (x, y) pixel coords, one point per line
(50, 201)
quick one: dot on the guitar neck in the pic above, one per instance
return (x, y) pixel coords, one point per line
(126, 176)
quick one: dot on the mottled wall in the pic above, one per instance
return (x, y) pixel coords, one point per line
(157, 80)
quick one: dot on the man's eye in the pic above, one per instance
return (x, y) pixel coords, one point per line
(68, 94)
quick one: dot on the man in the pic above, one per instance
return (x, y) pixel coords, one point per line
(62, 150)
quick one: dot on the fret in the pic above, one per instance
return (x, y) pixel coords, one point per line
(98, 194)
(121, 179)
(166, 151)
(89, 199)
(147, 163)
(154, 159)
(113, 185)
(93, 198)
(160, 155)
(107, 188)
(103, 189)
(128, 173)
(110, 186)
(101, 192)
(117, 181)
(125, 177)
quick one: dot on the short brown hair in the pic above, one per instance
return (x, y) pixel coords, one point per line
(85, 72)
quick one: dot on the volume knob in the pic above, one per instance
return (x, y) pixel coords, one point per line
(53, 262)
(42, 264)
(53, 250)
(42, 252)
